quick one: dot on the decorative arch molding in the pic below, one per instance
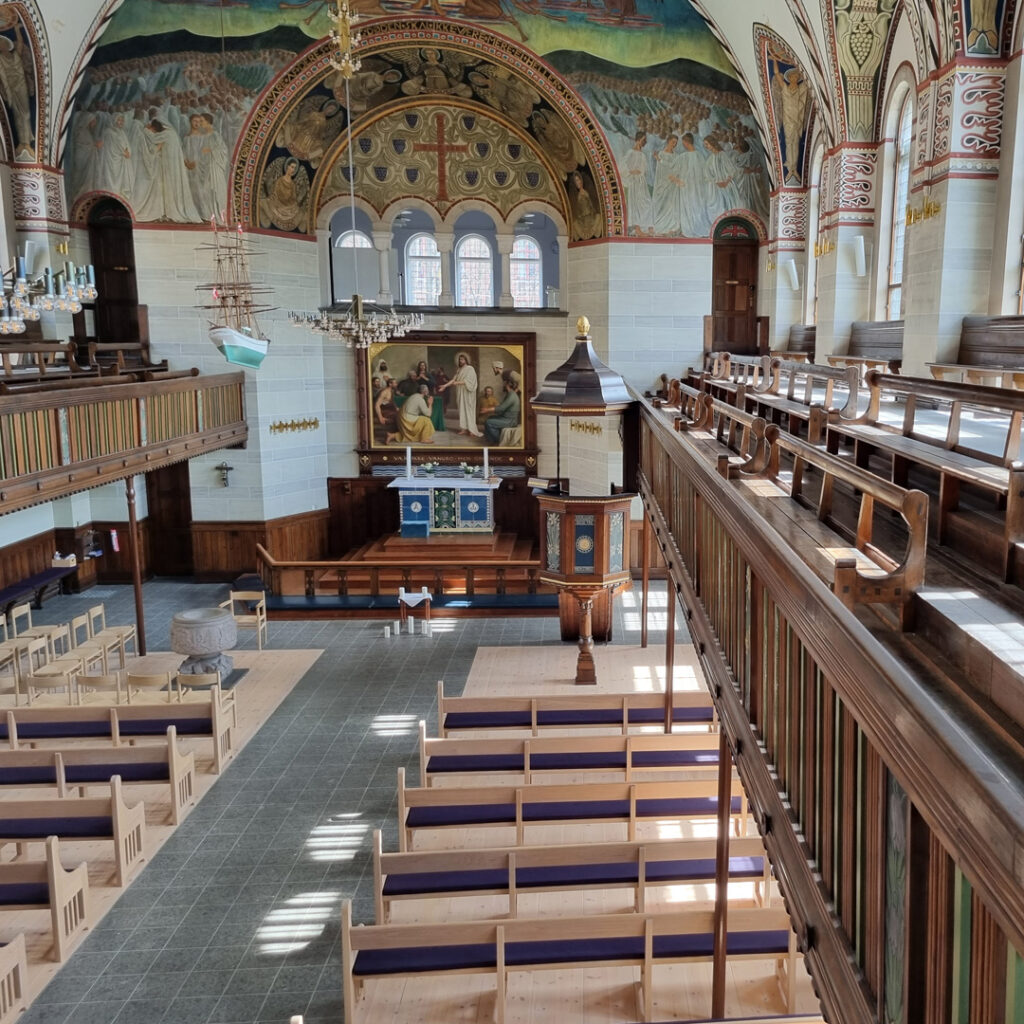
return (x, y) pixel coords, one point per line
(826, 102)
(788, 103)
(23, 16)
(468, 45)
(66, 103)
(86, 202)
(728, 225)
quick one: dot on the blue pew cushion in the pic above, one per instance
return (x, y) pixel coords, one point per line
(155, 771)
(28, 774)
(89, 826)
(674, 758)
(576, 874)
(445, 881)
(487, 720)
(558, 951)
(56, 729)
(682, 870)
(417, 959)
(24, 894)
(471, 814)
(185, 726)
(736, 944)
(475, 763)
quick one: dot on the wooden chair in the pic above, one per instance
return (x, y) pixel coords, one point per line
(98, 687)
(50, 680)
(98, 623)
(136, 682)
(249, 607)
(84, 646)
(188, 683)
(23, 613)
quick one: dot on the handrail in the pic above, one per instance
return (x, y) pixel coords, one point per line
(974, 805)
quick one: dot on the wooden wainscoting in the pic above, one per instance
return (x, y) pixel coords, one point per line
(26, 557)
(116, 566)
(222, 551)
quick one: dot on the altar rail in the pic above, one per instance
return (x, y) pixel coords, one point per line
(893, 827)
(60, 442)
(363, 577)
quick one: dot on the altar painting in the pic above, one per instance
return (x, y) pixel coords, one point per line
(432, 396)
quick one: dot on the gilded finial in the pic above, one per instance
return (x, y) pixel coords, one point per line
(583, 325)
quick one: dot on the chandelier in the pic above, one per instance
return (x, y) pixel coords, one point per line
(24, 301)
(362, 323)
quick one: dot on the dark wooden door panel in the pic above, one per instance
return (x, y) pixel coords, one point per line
(734, 296)
(170, 520)
(113, 255)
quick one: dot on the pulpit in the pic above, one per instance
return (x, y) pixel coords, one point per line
(583, 553)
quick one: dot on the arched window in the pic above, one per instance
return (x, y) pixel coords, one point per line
(422, 271)
(474, 272)
(900, 193)
(526, 278)
(353, 240)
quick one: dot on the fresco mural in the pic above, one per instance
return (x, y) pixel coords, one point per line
(18, 84)
(790, 108)
(983, 23)
(160, 110)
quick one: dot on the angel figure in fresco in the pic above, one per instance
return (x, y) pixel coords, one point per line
(18, 87)
(285, 191)
(429, 70)
(983, 35)
(559, 143)
(367, 87)
(311, 129)
(586, 219)
(508, 94)
(791, 95)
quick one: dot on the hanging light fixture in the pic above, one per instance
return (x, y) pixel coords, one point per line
(23, 301)
(363, 322)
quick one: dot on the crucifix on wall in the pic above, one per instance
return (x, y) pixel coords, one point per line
(442, 149)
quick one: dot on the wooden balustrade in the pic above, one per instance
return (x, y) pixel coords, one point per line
(364, 577)
(58, 442)
(896, 839)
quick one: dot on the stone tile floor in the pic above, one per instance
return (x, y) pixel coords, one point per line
(236, 919)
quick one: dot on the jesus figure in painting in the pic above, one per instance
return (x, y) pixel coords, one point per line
(465, 381)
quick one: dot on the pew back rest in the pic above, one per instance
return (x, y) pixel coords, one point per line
(877, 339)
(802, 338)
(992, 341)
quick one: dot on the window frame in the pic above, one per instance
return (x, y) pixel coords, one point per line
(410, 258)
(537, 260)
(487, 260)
(339, 242)
(902, 150)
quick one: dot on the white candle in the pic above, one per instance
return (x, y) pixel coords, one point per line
(408, 461)
(487, 467)
(387, 632)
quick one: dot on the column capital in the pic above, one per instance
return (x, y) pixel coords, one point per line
(381, 240)
(504, 244)
(444, 240)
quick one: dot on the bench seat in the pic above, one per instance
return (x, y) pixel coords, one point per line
(35, 588)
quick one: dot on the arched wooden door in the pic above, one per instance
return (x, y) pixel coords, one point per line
(734, 288)
(112, 249)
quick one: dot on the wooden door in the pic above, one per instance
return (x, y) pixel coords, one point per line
(734, 296)
(170, 520)
(112, 249)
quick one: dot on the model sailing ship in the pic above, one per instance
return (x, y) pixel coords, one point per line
(234, 327)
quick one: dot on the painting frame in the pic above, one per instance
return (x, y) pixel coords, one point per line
(496, 358)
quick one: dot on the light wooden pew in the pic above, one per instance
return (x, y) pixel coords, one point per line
(80, 818)
(955, 457)
(77, 767)
(13, 979)
(512, 870)
(427, 807)
(525, 944)
(206, 713)
(609, 711)
(454, 756)
(46, 885)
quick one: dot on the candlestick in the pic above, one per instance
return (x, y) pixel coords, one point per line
(487, 466)
(408, 461)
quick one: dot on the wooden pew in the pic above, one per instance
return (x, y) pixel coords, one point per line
(953, 457)
(512, 870)
(842, 553)
(524, 944)
(38, 359)
(87, 819)
(735, 375)
(874, 344)
(448, 757)
(207, 713)
(46, 885)
(811, 392)
(991, 353)
(78, 767)
(800, 344)
(617, 712)
(428, 807)
(13, 979)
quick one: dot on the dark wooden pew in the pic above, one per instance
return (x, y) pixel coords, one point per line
(874, 344)
(800, 344)
(35, 588)
(991, 353)
(955, 456)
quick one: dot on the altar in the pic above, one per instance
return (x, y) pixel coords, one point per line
(445, 504)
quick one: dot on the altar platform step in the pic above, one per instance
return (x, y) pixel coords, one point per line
(442, 548)
(385, 606)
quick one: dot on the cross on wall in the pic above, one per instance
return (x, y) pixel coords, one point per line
(442, 149)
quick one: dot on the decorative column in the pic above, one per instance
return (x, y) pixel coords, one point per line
(445, 244)
(505, 243)
(382, 243)
(952, 213)
(848, 203)
(784, 271)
